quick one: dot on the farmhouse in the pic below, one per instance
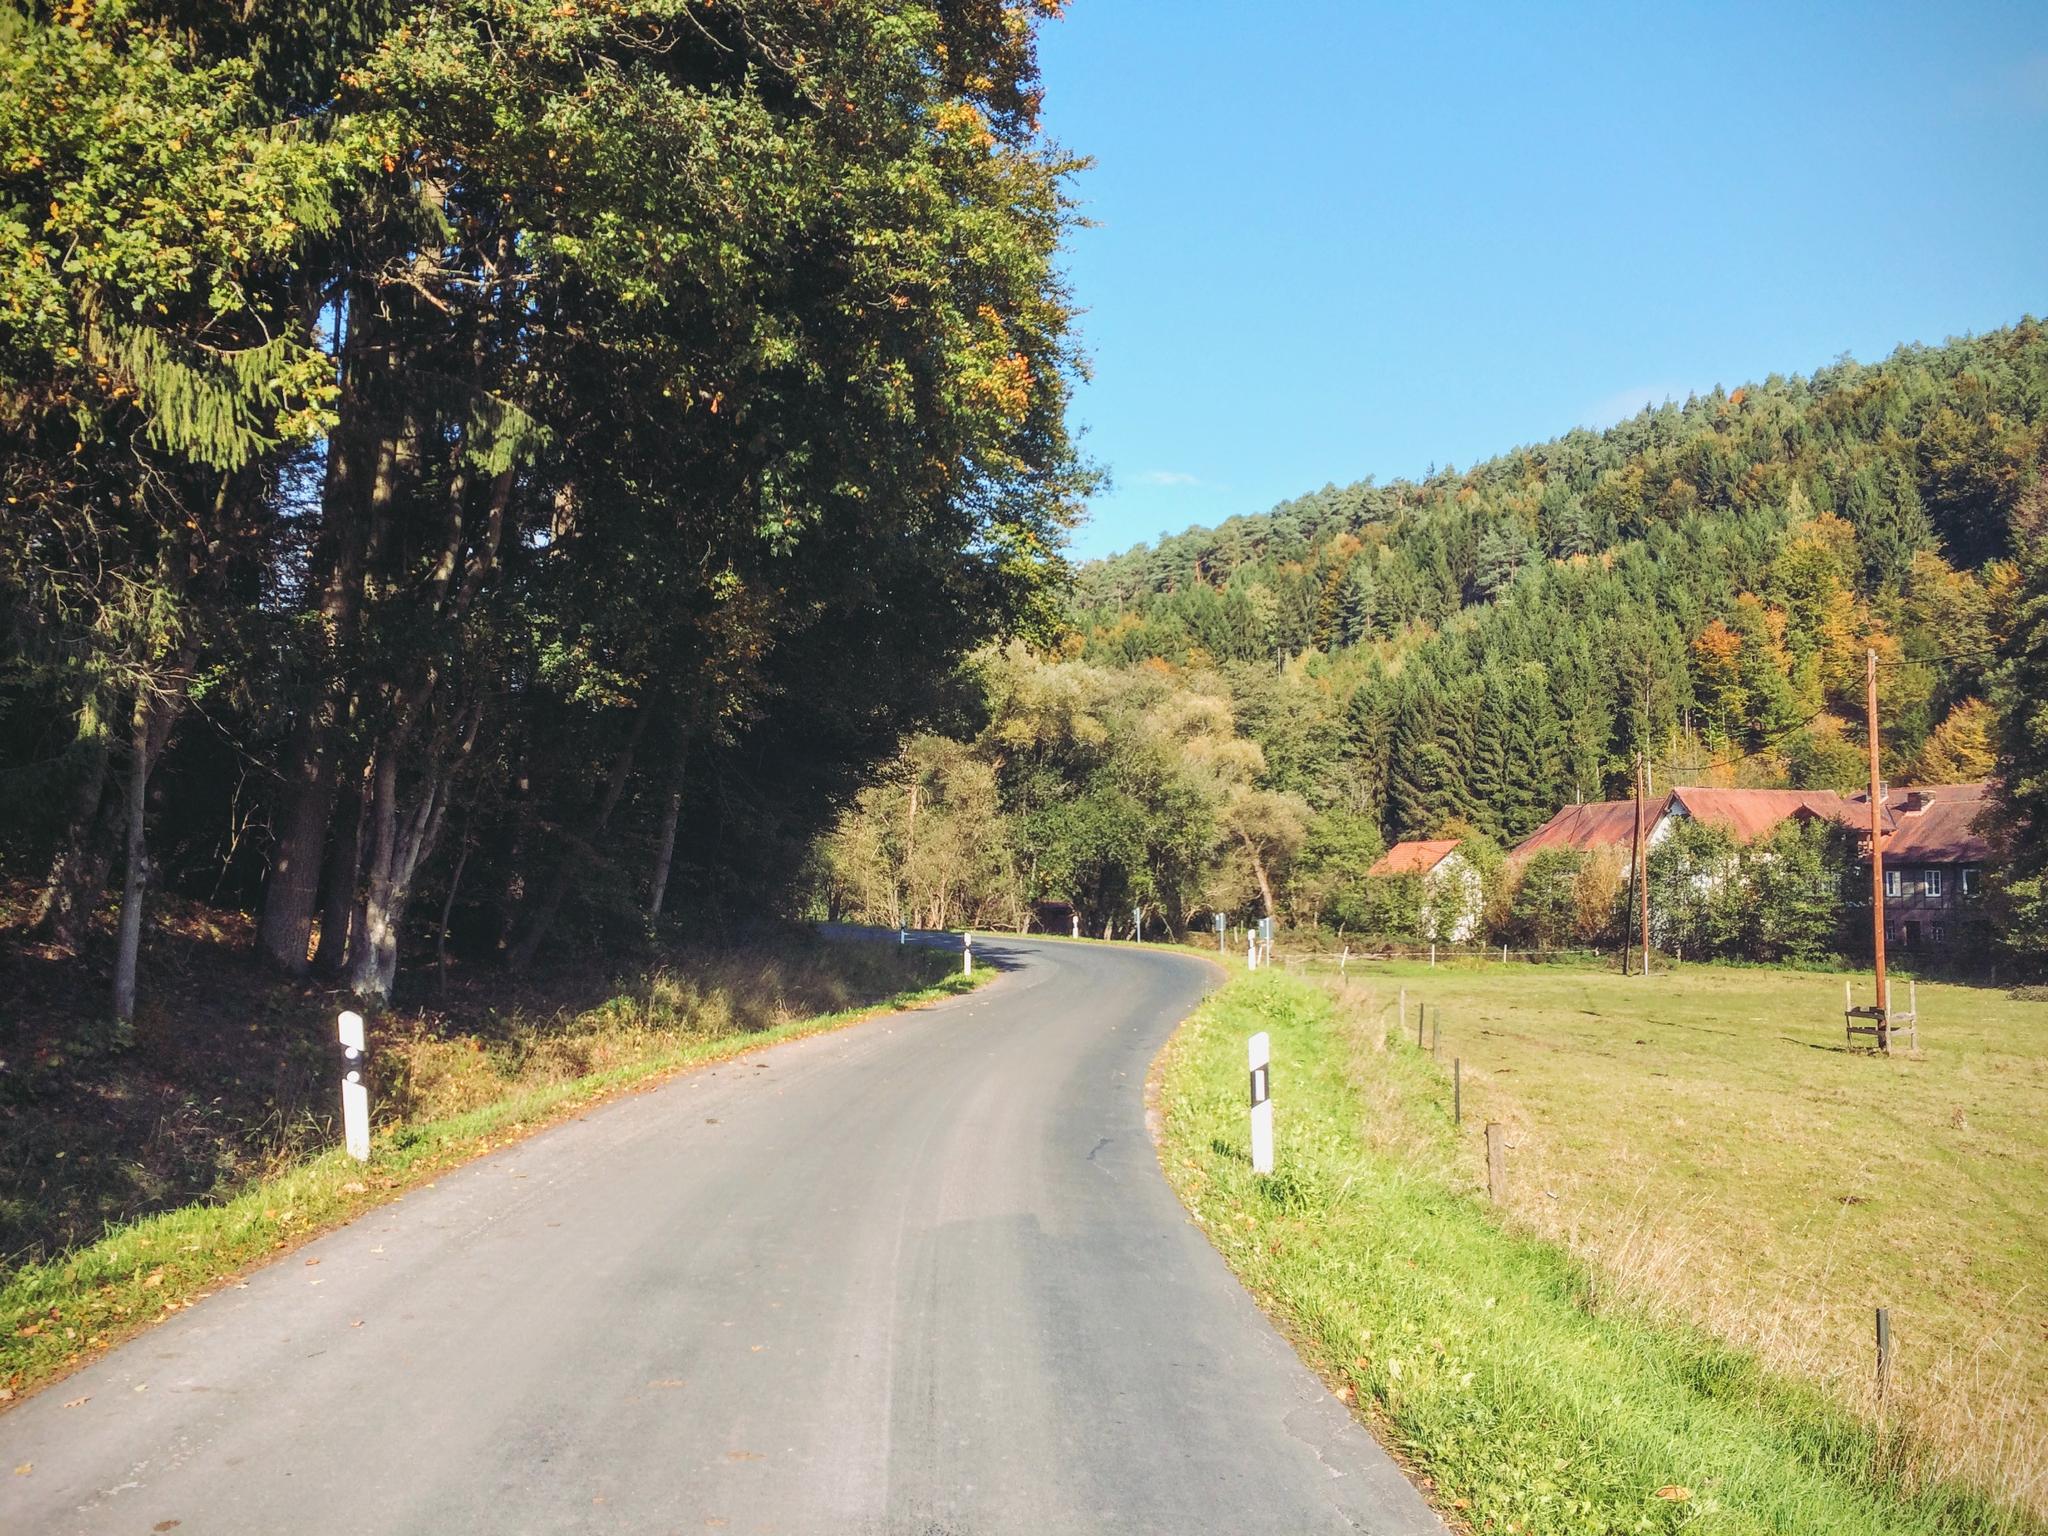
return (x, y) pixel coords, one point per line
(1934, 855)
(1934, 860)
(1608, 826)
(1453, 893)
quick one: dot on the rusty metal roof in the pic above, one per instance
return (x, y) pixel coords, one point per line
(1595, 825)
(1929, 823)
(1753, 813)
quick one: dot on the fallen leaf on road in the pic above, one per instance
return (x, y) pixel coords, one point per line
(756, 1348)
(24, 1469)
(357, 1323)
(311, 1262)
(167, 1525)
(667, 1381)
(1677, 1493)
(744, 1456)
(79, 1402)
(143, 1388)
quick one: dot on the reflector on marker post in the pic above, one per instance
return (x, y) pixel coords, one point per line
(1261, 1053)
(966, 954)
(355, 1093)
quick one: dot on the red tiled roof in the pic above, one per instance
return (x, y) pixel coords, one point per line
(1413, 858)
(1597, 824)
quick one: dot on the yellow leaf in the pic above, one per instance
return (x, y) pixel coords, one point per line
(1677, 1493)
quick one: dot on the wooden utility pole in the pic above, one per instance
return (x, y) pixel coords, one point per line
(1883, 1000)
(1642, 863)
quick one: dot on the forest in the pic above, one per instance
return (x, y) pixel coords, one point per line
(498, 482)
(1239, 720)
(482, 477)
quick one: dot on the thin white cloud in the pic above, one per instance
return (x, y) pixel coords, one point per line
(1166, 477)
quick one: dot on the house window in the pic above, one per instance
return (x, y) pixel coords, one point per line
(1940, 934)
(1969, 879)
(1892, 886)
(1933, 879)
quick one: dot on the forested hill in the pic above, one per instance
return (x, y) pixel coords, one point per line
(1700, 581)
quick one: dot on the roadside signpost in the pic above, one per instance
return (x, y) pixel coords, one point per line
(1261, 1053)
(355, 1093)
(966, 954)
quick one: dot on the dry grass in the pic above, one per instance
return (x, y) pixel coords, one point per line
(426, 1072)
(1707, 1145)
(442, 1095)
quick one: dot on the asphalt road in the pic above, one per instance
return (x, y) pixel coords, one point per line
(919, 1276)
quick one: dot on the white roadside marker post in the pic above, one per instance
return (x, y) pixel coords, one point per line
(1221, 942)
(1251, 950)
(966, 954)
(1077, 925)
(1138, 924)
(1261, 1053)
(355, 1093)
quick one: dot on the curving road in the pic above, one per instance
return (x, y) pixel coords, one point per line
(919, 1276)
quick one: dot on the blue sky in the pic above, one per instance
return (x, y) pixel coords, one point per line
(1336, 240)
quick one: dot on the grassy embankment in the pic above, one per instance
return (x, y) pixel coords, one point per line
(1546, 1390)
(443, 1097)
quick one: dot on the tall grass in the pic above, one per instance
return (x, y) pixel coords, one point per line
(1530, 1391)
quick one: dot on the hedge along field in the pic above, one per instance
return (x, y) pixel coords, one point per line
(439, 1102)
(1528, 1393)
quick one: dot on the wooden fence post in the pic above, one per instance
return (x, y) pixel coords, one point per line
(1496, 1164)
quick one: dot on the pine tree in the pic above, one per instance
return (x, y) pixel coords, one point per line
(2020, 879)
(1357, 599)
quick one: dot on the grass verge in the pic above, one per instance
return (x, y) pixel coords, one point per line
(1491, 1361)
(57, 1314)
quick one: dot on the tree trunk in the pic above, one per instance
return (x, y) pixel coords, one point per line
(448, 906)
(129, 947)
(348, 527)
(338, 908)
(399, 841)
(665, 846)
(78, 875)
(1259, 873)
